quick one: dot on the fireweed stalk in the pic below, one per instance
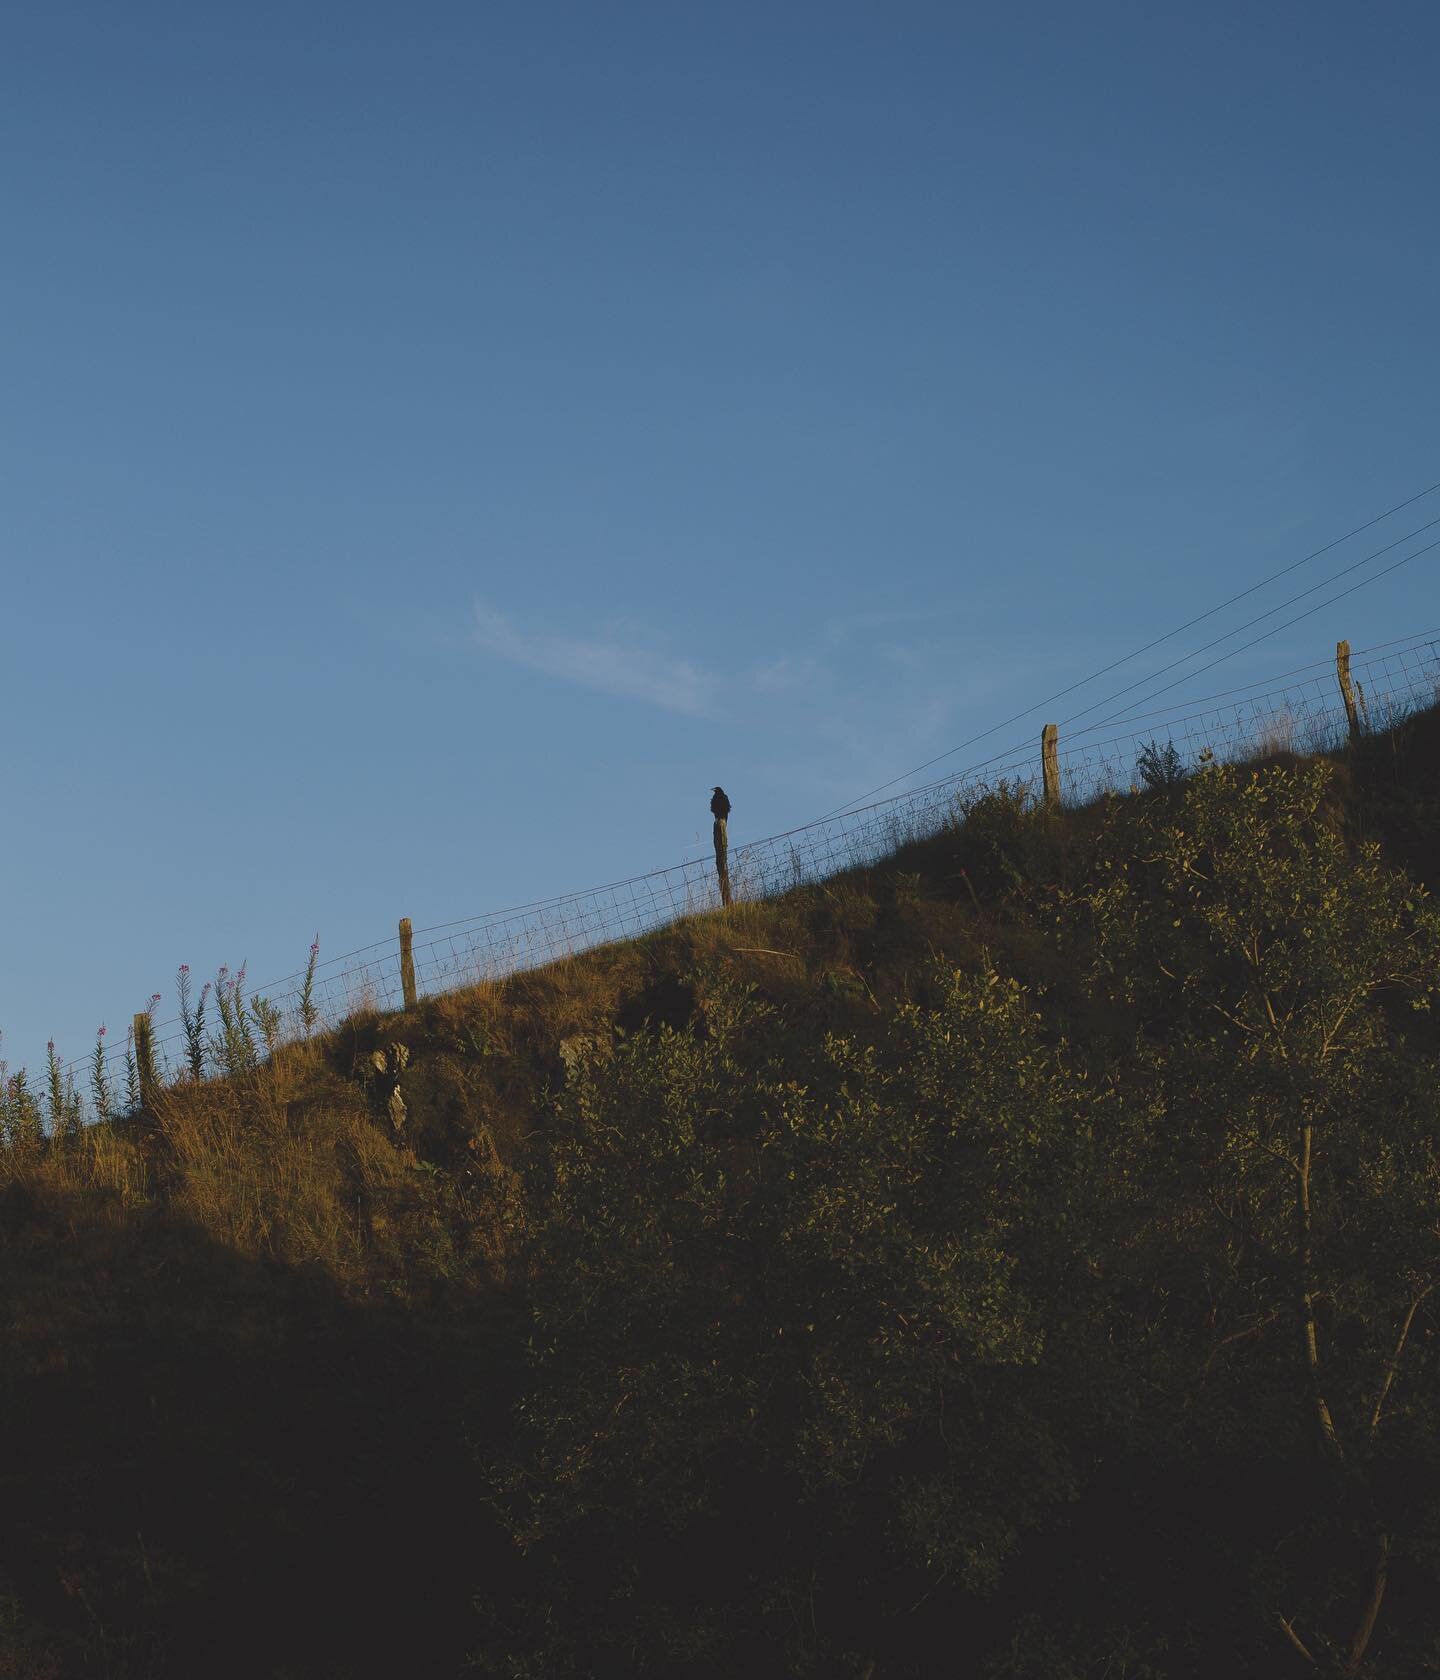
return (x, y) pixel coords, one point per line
(100, 1093)
(132, 1073)
(193, 1021)
(307, 1011)
(55, 1091)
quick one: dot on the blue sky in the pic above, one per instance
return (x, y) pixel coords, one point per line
(439, 441)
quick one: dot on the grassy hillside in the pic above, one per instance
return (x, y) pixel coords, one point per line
(1015, 1259)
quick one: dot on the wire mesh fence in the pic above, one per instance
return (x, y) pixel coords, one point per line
(1300, 710)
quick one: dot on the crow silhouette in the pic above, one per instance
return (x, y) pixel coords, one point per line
(719, 804)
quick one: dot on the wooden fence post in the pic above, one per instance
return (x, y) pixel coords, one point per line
(143, 1036)
(1347, 688)
(407, 962)
(722, 858)
(1050, 764)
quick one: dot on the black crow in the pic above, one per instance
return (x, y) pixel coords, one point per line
(719, 804)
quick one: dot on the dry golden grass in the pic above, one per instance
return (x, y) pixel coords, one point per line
(114, 1163)
(290, 1164)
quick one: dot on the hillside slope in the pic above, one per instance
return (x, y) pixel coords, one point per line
(1015, 1259)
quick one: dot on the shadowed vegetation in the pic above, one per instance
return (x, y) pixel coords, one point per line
(1015, 1259)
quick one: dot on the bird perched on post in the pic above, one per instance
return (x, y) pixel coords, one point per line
(720, 807)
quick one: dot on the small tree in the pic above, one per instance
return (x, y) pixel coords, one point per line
(1292, 1160)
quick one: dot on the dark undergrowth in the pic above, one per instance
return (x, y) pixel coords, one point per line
(296, 1386)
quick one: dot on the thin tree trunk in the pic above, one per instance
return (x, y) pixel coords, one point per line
(1394, 1366)
(1369, 1615)
(1329, 1437)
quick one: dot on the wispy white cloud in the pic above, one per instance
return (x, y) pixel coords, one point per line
(615, 662)
(791, 673)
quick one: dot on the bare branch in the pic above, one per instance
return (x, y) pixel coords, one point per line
(1394, 1366)
(1239, 1336)
(1371, 1612)
(1288, 1628)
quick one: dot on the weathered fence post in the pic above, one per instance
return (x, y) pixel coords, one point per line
(407, 962)
(1347, 688)
(722, 858)
(1050, 764)
(144, 1040)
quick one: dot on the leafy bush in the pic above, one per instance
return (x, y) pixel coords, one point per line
(754, 1296)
